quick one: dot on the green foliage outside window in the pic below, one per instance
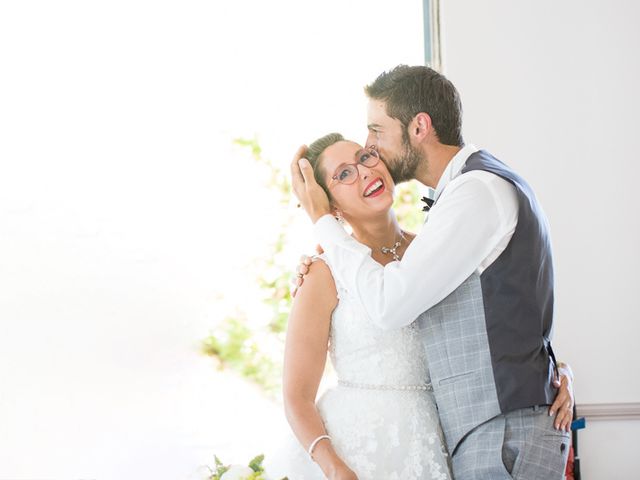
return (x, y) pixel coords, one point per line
(234, 342)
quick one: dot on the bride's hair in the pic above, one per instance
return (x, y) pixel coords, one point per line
(314, 155)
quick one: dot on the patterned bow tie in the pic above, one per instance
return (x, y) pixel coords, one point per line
(429, 203)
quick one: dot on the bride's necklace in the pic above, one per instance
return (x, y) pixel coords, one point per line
(394, 250)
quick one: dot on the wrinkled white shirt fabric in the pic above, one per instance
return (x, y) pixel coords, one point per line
(466, 230)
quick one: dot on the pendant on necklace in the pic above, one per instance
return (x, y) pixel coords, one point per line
(393, 251)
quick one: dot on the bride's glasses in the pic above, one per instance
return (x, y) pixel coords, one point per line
(347, 173)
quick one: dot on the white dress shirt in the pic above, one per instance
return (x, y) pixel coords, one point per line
(466, 230)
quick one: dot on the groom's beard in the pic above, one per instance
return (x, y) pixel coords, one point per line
(403, 167)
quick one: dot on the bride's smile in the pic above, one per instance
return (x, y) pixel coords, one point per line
(358, 182)
(375, 188)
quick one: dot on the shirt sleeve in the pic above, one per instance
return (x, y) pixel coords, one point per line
(473, 215)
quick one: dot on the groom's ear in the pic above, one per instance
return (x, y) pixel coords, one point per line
(421, 127)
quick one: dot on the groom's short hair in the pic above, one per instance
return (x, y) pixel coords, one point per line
(409, 90)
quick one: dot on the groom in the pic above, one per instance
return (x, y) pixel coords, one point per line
(479, 278)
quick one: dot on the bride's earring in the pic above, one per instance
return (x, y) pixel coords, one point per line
(339, 218)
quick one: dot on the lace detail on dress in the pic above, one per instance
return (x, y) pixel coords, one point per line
(389, 433)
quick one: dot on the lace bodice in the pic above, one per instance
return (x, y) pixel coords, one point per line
(380, 426)
(363, 353)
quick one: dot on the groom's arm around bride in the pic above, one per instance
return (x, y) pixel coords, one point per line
(479, 276)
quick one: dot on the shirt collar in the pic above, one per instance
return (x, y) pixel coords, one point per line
(454, 167)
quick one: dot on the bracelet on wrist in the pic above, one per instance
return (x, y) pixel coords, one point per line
(315, 442)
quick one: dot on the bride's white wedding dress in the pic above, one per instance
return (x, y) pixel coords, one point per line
(381, 416)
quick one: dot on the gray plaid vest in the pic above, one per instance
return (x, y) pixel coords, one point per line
(488, 343)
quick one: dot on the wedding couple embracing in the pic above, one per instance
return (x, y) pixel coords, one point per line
(440, 339)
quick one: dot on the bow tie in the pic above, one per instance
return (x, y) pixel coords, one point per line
(428, 202)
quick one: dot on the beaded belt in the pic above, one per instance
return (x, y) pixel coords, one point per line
(368, 386)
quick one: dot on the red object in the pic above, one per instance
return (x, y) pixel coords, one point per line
(570, 461)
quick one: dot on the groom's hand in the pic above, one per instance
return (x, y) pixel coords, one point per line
(311, 195)
(562, 406)
(301, 271)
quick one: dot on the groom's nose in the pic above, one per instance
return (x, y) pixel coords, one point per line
(371, 140)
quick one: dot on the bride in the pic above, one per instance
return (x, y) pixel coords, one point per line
(380, 421)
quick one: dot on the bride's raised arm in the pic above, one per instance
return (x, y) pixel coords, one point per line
(304, 361)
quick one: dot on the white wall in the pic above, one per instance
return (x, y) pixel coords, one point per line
(552, 89)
